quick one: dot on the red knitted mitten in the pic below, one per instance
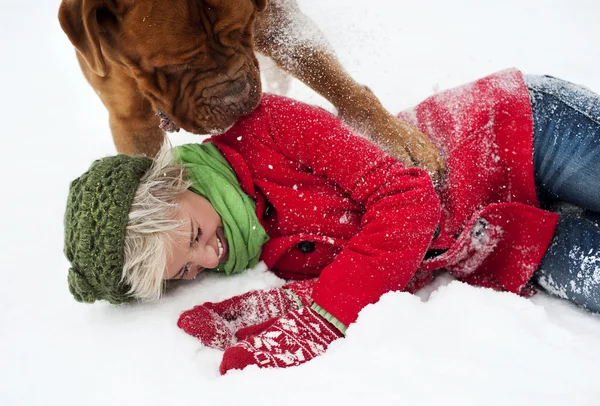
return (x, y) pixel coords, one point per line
(293, 339)
(215, 324)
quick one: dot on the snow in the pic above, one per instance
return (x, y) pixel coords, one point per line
(451, 345)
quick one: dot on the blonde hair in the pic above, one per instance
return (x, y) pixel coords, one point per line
(151, 225)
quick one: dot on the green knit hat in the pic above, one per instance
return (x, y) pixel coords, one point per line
(95, 220)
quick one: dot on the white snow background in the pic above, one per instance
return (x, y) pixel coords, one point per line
(462, 346)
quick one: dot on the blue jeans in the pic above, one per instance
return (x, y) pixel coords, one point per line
(566, 158)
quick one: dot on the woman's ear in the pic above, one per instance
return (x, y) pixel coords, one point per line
(79, 20)
(260, 4)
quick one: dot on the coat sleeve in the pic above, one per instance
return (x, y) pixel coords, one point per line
(402, 209)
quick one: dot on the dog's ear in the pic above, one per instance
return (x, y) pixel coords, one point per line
(260, 4)
(79, 20)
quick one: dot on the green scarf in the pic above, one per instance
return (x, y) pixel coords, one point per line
(212, 177)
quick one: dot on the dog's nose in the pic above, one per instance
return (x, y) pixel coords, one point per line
(227, 89)
(238, 93)
(228, 93)
(237, 87)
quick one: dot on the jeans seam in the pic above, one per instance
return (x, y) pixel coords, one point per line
(557, 97)
(591, 223)
(592, 104)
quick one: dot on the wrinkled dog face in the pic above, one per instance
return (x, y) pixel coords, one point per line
(193, 59)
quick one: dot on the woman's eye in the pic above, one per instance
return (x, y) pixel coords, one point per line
(198, 235)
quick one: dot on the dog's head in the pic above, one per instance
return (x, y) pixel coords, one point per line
(192, 59)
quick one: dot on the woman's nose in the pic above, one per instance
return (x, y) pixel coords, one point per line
(207, 257)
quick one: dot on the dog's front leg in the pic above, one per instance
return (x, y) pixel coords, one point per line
(290, 38)
(133, 121)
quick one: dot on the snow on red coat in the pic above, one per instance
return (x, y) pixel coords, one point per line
(337, 207)
(494, 233)
(333, 204)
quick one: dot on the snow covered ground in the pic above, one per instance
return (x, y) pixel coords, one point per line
(462, 346)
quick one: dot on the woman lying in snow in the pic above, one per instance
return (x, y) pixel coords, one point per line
(291, 186)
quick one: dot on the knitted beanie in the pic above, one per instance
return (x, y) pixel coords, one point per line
(95, 221)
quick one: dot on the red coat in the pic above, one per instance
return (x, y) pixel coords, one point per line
(492, 228)
(336, 206)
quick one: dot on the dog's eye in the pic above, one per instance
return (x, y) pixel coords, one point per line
(105, 18)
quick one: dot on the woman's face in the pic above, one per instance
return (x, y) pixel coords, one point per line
(200, 243)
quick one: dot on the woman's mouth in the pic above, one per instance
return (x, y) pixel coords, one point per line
(222, 245)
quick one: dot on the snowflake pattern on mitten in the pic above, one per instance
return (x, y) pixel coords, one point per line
(293, 339)
(216, 324)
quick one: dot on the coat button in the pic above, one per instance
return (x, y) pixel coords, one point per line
(268, 210)
(306, 246)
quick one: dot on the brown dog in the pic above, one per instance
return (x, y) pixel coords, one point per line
(164, 64)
